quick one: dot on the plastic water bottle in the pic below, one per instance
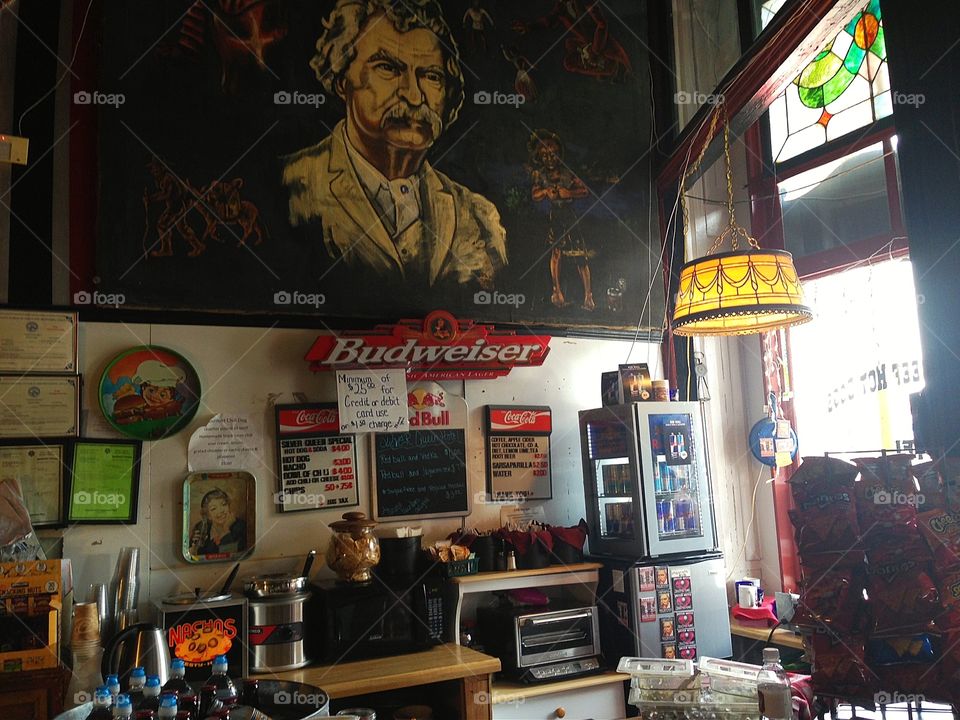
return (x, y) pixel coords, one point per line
(101, 705)
(151, 694)
(138, 678)
(168, 708)
(176, 683)
(123, 709)
(220, 679)
(113, 685)
(773, 688)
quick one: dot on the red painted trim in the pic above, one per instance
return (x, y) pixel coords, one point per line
(83, 152)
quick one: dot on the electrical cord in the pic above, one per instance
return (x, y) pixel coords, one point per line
(753, 516)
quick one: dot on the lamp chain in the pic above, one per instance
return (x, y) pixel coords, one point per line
(734, 232)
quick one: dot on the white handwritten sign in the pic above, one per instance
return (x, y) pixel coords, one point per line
(373, 400)
(229, 441)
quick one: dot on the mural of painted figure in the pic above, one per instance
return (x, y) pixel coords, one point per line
(380, 205)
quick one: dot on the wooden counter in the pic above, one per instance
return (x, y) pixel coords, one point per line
(439, 664)
(784, 638)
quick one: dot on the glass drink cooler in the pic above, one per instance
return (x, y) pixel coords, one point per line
(646, 484)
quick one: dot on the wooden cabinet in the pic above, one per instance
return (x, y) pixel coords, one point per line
(36, 695)
(601, 702)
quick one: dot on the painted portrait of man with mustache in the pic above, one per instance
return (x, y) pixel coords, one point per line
(380, 206)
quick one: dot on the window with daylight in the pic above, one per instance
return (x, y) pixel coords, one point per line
(856, 366)
(844, 88)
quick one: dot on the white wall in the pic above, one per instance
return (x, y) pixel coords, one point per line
(248, 370)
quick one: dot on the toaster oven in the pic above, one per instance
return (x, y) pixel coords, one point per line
(537, 644)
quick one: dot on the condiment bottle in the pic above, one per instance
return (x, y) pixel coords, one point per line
(511, 560)
(176, 681)
(123, 709)
(220, 680)
(101, 705)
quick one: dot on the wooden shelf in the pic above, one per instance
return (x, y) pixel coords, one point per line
(502, 691)
(441, 663)
(517, 574)
(784, 638)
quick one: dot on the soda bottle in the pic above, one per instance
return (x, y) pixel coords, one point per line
(250, 696)
(168, 708)
(123, 709)
(151, 694)
(208, 701)
(101, 705)
(176, 681)
(113, 685)
(136, 683)
(188, 703)
(773, 688)
(145, 715)
(220, 679)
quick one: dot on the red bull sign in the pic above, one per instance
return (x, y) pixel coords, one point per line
(439, 347)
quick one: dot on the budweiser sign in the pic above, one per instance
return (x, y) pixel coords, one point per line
(439, 347)
(520, 420)
(308, 419)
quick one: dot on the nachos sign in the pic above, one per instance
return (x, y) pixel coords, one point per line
(439, 347)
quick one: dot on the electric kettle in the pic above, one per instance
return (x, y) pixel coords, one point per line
(141, 645)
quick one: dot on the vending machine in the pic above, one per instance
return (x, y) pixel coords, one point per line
(647, 489)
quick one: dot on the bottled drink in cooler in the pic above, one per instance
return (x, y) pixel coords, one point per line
(251, 693)
(773, 688)
(220, 679)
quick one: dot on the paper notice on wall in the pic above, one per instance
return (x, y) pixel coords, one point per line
(373, 400)
(229, 441)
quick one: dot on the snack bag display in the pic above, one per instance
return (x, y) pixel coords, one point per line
(825, 516)
(903, 598)
(886, 496)
(941, 530)
(931, 488)
(949, 587)
(833, 598)
(818, 475)
(839, 668)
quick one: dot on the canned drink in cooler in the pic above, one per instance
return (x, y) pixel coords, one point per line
(669, 523)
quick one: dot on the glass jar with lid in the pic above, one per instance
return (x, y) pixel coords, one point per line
(354, 549)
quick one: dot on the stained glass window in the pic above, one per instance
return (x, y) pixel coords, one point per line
(768, 9)
(845, 87)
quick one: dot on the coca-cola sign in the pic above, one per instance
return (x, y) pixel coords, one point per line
(440, 347)
(308, 420)
(521, 420)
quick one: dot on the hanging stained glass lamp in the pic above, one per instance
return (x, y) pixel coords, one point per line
(740, 292)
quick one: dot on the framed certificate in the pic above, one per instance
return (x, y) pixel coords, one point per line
(38, 342)
(39, 406)
(104, 481)
(39, 468)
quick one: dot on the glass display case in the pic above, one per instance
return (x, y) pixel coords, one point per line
(645, 477)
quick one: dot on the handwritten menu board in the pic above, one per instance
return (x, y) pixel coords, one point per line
(423, 472)
(372, 400)
(518, 452)
(317, 465)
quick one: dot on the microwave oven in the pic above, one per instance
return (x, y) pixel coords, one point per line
(541, 644)
(348, 621)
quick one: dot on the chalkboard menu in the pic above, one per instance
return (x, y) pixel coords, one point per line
(317, 465)
(423, 472)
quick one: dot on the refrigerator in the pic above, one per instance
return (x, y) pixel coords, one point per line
(649, 501)
(671, 610)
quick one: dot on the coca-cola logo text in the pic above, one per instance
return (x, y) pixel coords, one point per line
(316, 417)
